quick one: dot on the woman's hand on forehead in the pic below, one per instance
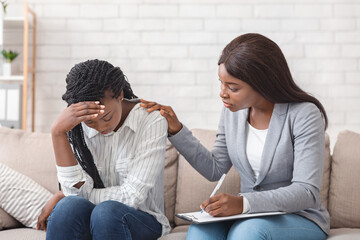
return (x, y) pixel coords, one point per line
(77, 113)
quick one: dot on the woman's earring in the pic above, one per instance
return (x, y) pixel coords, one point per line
(122, 99)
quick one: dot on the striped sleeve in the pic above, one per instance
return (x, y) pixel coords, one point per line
(144, 168)
(69, 176)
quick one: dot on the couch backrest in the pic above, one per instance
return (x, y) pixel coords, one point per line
(192, 188)
(7, 221)
(344, 195)
(30, 154)
(326, 175)
(170, 176)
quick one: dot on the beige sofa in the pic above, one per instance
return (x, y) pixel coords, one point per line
(31, 154)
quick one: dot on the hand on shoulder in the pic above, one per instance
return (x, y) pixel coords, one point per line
(174, 125)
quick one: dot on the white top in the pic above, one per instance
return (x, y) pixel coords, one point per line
(254, 147)
(255, 142)
(130, 162)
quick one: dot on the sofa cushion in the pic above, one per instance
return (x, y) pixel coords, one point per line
(7, 221)
(170, 175)
(30, 154)
(344, 234)
(192, 188)
(326, 174)
(23, 234)
(181, 228)
(174, 236)
(21, 197)
(344, 195)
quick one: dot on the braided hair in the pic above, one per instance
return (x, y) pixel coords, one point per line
(88, 81)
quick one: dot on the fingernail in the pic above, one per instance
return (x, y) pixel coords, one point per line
(95, 114)
(102, 106)
(97, 102)
(102, 111)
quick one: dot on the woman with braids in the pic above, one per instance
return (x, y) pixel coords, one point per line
(110, 156)
(272, 132)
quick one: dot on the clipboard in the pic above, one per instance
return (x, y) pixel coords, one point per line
(201, 218)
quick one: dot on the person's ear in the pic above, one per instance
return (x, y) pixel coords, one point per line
(121, 97)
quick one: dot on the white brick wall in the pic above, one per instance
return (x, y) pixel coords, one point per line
(169, 49)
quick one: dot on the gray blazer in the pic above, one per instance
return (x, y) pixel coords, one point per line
(291, 164)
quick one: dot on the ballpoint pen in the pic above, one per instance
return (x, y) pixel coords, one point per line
(216, 188)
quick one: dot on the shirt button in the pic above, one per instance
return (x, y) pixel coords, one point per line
(256, 188)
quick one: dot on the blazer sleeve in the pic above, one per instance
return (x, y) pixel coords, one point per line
(210, 164)
(309, 154)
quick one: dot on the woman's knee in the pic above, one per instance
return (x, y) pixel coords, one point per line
(209, 231)
(108, 212)
(290, 226)
(71, 207)
(249, 229)
(70, 219)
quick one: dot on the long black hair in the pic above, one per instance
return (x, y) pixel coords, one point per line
(259, 62)
(88, 81)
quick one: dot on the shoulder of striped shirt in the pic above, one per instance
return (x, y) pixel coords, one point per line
(154, 116)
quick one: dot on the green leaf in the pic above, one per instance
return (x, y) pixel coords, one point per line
(9, 55)
(4, 4)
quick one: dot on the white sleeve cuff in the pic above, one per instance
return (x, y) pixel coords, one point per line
(68, 177)
(246, 205)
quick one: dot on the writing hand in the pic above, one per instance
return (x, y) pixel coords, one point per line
(222, 205)
(174, 125)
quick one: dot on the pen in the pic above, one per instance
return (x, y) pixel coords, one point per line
(216, 188)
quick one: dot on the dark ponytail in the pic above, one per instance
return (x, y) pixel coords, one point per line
(88, 81)
(259, 62)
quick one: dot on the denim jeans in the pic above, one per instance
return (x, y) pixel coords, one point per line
(77, 218)
(280, 227)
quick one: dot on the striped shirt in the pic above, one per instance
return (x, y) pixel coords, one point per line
(130, 162)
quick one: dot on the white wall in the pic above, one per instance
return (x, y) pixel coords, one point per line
(169, 50)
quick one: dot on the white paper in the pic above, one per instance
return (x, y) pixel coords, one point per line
(199, 218)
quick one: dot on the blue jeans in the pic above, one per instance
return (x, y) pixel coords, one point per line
(280, 227)
(77, 218)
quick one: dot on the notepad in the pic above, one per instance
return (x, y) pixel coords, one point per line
(200, 218)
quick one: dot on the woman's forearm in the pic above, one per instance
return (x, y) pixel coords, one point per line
(63, 153)
(59, 195)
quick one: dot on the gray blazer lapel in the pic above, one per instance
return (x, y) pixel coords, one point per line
(245, 165)
(272, 139)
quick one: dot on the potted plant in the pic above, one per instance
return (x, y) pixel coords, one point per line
(4, 5)
(9, 56)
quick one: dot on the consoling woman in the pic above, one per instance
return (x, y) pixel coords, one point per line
(272, 132)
